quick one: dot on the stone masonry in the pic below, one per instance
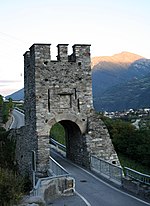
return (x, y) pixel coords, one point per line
(61, 91)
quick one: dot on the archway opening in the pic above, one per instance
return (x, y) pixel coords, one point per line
(68, 133)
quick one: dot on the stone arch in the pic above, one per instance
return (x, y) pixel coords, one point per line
(80, 122)
(75, 128)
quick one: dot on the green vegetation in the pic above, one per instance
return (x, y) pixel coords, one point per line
(127, 162)
(58, 133)
(7, 150)
(12, 184)
(5, 109)
(130, 143)
(11, 187)
(19, 105)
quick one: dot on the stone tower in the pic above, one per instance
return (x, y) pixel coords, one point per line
(61, 91)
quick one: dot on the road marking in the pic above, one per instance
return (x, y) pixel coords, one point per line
(86, 202)
(142, 201)
(112, 186)
(19, 112)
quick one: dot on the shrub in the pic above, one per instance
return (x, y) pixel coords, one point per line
(129, 141)
(7, 150)
(11, 187)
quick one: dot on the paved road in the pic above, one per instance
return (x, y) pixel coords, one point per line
(18, 119)
(94, 190)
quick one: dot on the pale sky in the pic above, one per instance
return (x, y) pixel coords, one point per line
(110, 26)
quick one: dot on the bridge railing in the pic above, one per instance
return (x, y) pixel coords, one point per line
(138, 176)
(58, 145)
(106, 169)
(55, 169)
(20, 110)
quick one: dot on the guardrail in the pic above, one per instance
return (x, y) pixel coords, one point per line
(56, 169)
(42, 183)
(111, 171)
(58, 145)
(106, 169)
(20, 110)
(140, 177)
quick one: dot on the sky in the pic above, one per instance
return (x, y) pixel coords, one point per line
(110, 26)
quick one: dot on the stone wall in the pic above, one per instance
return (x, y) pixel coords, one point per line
(137, 188)
(61, 91)
(23, 158)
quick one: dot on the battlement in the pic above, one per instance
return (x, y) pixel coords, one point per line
(60, 91)
(43, 51)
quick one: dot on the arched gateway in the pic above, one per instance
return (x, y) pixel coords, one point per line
(61, 91)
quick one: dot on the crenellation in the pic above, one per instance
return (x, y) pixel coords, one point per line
(61, 91)
(62, 52)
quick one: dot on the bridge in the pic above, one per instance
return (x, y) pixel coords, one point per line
(92, 189)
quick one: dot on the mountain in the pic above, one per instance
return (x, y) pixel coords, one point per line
(110, 72)
(18, 95)
(133, 94)
(119, 82)
(122, 59)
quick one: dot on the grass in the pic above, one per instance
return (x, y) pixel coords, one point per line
(58, 133)
(126, 162)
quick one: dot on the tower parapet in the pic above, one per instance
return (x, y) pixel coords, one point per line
(40, 52)
(61, 91)
(62, 52)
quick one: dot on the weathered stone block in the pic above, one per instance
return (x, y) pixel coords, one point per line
(61, 91)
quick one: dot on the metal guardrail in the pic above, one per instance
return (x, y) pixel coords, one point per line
(58, 145)
(110, 171)
(106, 169)
(56, 169)
(36, 191)
(140, 177)
(20, 110)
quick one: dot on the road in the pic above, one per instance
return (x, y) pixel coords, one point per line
(18, 119)
(94, 190)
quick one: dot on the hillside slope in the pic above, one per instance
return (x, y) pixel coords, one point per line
(18, 95)
(117, 70)
(134, 94)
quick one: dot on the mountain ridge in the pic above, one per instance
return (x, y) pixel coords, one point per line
(123, 57)
(111, 77)
(107, 75)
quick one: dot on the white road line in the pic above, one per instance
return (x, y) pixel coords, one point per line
(105, 182)
(19, 112)
(112, 186)
(86, 202)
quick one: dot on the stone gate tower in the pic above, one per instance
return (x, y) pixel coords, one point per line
(61, 91)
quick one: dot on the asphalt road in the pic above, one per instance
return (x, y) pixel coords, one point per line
(18, 119)
(94, 190)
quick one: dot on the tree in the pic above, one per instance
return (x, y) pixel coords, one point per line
(129, 141)
(1, 100)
